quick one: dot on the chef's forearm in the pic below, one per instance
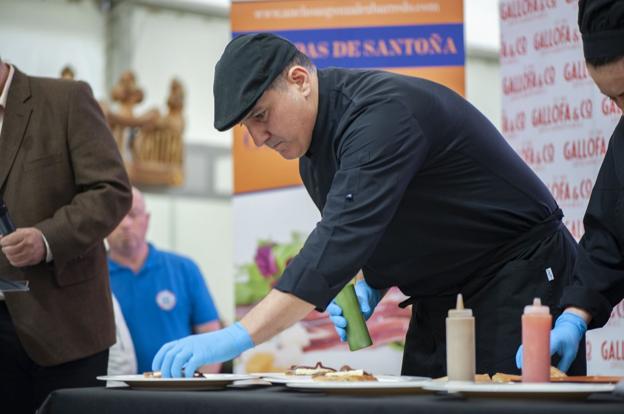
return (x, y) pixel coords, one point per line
(276, 312)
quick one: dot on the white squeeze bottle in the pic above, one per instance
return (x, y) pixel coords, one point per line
(460, 343)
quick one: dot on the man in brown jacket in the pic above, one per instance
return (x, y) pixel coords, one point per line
(65, 188)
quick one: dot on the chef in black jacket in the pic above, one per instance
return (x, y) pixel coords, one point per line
(416, 188)
(598, 278)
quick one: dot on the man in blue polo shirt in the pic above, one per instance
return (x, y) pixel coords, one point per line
(163, 296)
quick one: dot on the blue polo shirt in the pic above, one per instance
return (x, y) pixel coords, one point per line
(162, 302)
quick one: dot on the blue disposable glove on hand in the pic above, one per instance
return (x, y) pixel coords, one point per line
(368, 298)
(194, 351)
(564, 340)
(566, 337)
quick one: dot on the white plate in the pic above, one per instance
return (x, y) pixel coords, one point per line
(520, 390)
(281, 378)
(265, 374)
(208, 381)
(385, 384)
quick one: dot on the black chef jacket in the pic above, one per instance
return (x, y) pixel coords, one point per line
(415, 186)
(598, 278)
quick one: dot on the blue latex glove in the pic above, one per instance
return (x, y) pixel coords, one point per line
(194, 351)
(368, 298)
(564, 340)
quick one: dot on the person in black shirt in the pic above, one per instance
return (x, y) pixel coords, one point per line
(598, 278)
(416, 188)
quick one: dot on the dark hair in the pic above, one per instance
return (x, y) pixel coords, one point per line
(300, 59)
(603, 60)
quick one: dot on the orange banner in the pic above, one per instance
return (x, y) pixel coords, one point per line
(260, 168)
(450, 76)
(284, 15)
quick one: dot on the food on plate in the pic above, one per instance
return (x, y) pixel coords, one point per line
(479, 378)
(556, 373)
(482, 378)
(500, 378)
(306, 370)
(345, 374)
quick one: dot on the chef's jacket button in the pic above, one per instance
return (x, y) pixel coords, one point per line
(349, 197)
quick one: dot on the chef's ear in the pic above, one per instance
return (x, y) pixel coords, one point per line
(301, 77)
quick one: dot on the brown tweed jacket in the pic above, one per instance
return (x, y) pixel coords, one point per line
(60, 171)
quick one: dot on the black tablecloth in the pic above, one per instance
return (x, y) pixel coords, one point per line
(275, 400)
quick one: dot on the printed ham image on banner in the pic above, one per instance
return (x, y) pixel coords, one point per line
(558, 121)
(273, 213)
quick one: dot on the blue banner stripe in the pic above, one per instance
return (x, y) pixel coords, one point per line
(381, 47)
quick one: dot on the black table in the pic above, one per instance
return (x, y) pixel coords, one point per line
(276, 400)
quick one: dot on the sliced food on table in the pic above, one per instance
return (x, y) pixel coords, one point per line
(345, 374)
(319, 368)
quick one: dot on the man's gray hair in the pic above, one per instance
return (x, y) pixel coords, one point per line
(300, 59)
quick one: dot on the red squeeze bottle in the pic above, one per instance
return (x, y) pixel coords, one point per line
(536, 325)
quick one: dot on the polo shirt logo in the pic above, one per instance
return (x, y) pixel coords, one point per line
(166, 300)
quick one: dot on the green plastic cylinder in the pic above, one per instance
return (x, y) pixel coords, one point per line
(357, 331)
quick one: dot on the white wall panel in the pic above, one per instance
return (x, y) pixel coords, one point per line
(203, 231)
(41, 37)
(169, 44)
(162, 220)
(482, 84)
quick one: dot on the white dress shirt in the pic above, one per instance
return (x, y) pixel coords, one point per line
(121, 357)
(5, 94)
(3, 101)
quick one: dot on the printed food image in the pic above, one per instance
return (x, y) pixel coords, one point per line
(256, 277)
(261, 362)
(314, 338)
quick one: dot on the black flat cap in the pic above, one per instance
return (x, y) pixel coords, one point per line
(248, 66)
(601, 22)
